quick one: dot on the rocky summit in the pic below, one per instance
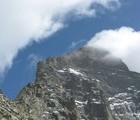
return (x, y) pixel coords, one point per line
(88, 84)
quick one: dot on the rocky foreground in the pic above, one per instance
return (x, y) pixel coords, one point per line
(89, 84)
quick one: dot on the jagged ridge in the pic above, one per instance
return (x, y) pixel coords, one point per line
(84, 85)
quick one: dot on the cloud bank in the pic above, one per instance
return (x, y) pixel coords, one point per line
(123, 42)
(25, 21)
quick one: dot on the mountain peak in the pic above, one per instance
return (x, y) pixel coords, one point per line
(83, 85)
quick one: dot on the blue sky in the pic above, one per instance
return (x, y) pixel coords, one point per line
(77, 31)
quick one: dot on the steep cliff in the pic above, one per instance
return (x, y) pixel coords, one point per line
(89, 84)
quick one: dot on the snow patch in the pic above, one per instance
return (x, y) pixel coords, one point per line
(75, 71)
(123, 104)
(80, 102)
(55, 112)
(71, 70)
(61, 71)
(96, 101)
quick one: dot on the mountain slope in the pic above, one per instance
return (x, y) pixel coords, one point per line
(89, 84)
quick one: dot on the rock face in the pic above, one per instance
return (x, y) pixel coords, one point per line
(89, 84)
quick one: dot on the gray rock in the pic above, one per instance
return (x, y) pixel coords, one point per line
(89, 84)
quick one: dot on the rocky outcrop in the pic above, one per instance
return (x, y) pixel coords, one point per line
(89, 84)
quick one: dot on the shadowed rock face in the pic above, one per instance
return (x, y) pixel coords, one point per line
(89, 84)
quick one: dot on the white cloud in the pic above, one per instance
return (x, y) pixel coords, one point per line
(25, 21)
(75, 44)
(123, 43)
(33, 59)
